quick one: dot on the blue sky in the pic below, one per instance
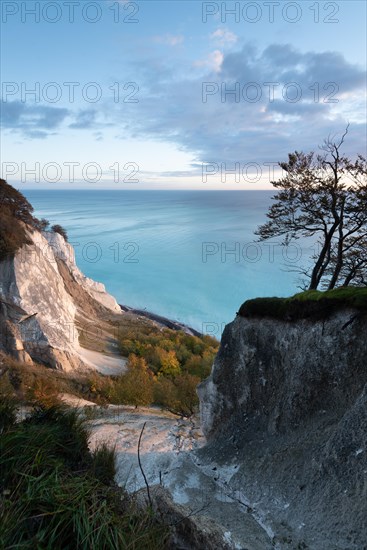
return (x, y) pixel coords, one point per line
(150, 104)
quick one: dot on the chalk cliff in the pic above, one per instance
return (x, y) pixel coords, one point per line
(285, 409)
(44, 298)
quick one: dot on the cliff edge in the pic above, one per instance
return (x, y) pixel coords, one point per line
(46, 303)
(285, 412)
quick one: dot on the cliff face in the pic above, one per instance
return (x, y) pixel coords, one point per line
(43, 296)
(64, 252)
(286, 407)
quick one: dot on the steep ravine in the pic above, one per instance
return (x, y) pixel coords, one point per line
(195, 491)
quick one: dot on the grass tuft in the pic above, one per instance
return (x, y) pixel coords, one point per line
(58, 495)
(8, 413)
(103, 463)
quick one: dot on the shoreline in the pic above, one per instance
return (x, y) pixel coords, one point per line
(164, 321)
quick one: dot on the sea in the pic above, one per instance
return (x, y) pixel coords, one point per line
(191, 256)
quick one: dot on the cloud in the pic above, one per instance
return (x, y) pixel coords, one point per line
(169, 39)
(227, 125)
(40, 121)
(230, 128)
(32, 121)
(38, 134)
(224, 37)
(212, 62)
(284, 64)
(85, 119)
(299, 109)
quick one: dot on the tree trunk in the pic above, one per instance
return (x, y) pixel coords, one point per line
(319, 268)
(339, 262)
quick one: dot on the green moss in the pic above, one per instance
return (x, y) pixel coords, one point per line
(309, 304)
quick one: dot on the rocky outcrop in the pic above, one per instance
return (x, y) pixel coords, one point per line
(187, 529)
(38, 312)
(286, 407)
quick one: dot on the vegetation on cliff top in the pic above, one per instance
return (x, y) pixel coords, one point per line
(309, 304)
(15, 214)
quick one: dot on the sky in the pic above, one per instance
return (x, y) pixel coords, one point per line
(176, 94)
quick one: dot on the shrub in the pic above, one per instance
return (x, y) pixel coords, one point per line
(165, 393)
(200, 366)
(187, 399)
(12, 234)
(167, 351)
(43, 224)
(16, 203)
(100, 388)
(182, 353)
(179, 361)
(60, 230)
(44, 392)
(136, 386)
(169, 365)
(15, 211)
(178, 395)
(20, 382)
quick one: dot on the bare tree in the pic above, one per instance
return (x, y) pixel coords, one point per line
(324, 196)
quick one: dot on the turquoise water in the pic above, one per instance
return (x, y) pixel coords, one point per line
(148, 248)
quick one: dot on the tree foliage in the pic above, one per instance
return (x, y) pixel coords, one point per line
(16, 215)
(324, 196)
(12, 234)
(136, 386)
(15, 203)
(177, 395)
(15, 211)
(44, 224)
(60, 230)
(176, 363)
